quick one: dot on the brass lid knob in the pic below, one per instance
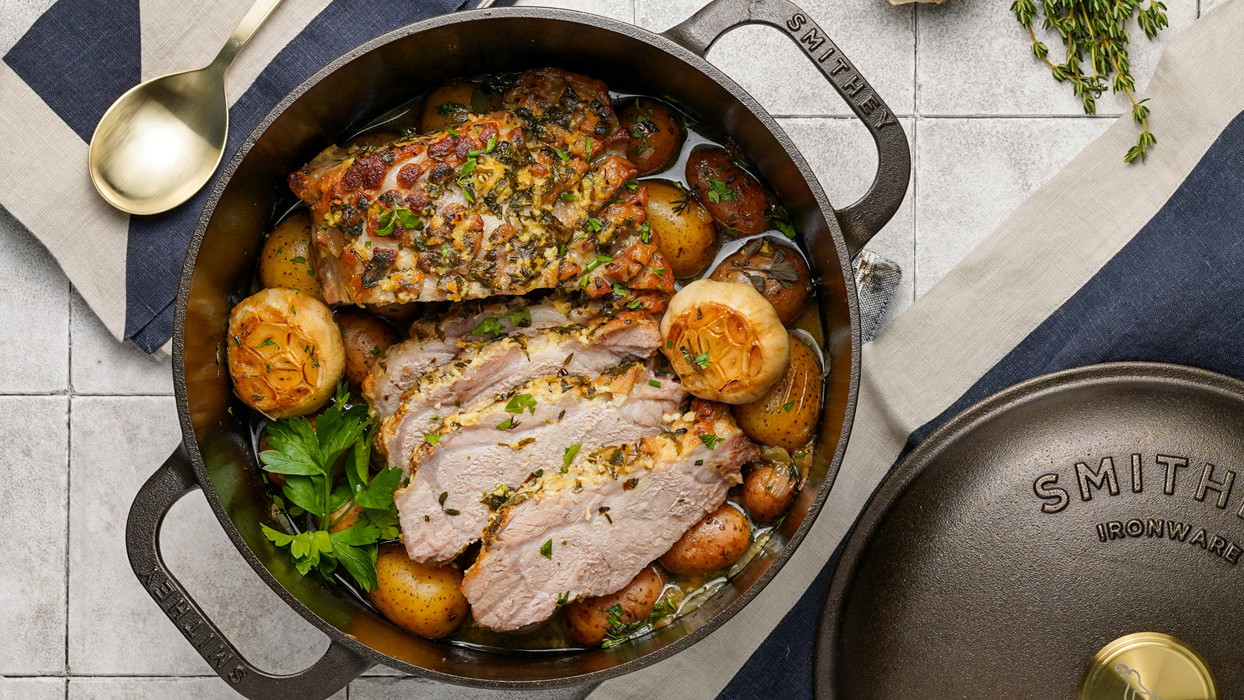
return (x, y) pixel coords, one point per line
(1147, 666)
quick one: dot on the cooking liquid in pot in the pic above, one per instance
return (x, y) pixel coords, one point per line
(688, 592)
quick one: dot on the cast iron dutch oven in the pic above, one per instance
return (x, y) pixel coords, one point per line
(216, 452)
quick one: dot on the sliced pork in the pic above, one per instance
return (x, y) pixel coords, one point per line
(476, 459)
(433, 343)
(591, 530)
(482, 372)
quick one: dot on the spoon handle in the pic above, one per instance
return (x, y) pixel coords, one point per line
(250, 23)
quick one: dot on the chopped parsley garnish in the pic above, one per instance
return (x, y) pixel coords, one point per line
(568, 455)
(598, 261)
(520, 317)
(298, 259)
(710, 441)
(786, 228)
(788, 406)
(521, 402)
(699, 362)
(569, 197)
(546, 549)
(431, 438)
(448, 108)
(594, 225)
(489, 326)
(719, 191)
(507, 424)
(645, 232)
(563, 598)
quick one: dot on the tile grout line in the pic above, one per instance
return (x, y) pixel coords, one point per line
(68, 474)
(915, 150)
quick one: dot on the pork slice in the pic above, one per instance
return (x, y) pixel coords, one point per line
(481, 456)
(433, 343)
(481, 372)
(590, 531)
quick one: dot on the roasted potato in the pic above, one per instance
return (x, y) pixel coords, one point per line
(422, 599)
(285, 353)
(786, 415)
(656, 131)
(588, 620)
(450, 104)
(712, 544)
(366, 338)
(343, 519)
(724, 341)
(285, 260)
(681, 228)
(395, 313)
(768, 490)
(775, 270)
(732, 195)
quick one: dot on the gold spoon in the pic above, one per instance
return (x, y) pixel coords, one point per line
(160, 142)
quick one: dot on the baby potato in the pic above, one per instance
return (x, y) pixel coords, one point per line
(421, 599)
(285, 353)
(285, 260)
(681, 228)
(732, 195)
(588, 619)
(712, 544)
(450, 104)
(657, 134)
(775, 270)
(447, 105)
(366, 338)
(768, 490)
(786, 415)
(395, 313)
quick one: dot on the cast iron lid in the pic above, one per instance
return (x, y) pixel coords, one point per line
(1079, 535)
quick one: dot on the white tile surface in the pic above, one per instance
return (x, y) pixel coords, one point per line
(973, 172)
(976, 58)
(32, 688)
(844, 159)
(103, 365)
(114, 627)
(34, 327)
(877, 36)
(34, 477)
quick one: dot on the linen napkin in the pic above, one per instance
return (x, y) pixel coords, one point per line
(80, 55)
(1106, 262)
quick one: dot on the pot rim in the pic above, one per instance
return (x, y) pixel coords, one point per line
(667, 46)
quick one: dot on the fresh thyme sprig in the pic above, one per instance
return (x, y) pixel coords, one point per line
(1097, 28)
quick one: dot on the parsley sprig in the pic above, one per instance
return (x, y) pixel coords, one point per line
(307, 457)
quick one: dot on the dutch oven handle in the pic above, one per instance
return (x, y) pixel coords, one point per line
(174, 479)
(863, 219)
